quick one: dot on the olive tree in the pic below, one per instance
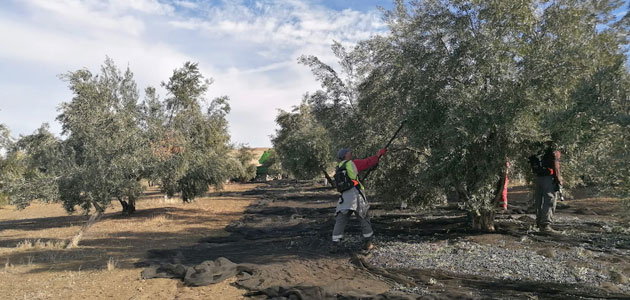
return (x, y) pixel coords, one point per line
(5, 141)
(31, 167)
(479, 82)
(488, 80)
(246, 169)
(302, 144)
(5, 137)
(194, 147)
(105, 144)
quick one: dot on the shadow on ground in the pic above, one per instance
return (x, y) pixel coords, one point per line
(168, 226)
(292, 222)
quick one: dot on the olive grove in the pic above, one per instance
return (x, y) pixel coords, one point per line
(480, 82)
(111, 141)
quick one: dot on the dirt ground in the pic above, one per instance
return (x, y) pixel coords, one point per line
(286, 233)
(35, 265)
(282, 229)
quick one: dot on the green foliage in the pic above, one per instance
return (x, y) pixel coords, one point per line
(105, 144)
(193, 150)
(337, 107)
(271, 165)
(34, 164)
(153, 124)
(5, 138)
(479, 81)
(302, 144)
(246, 170)
(5, 142)
(30, 168)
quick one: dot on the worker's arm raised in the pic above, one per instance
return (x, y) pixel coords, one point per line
(366, 163)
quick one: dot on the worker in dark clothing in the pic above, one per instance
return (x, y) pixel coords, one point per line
(548, 182)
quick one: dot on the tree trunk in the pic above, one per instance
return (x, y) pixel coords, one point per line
(93, 219)
(124, 204)
(128, 207)
(332, 182)
(131, 205)
(482, 220)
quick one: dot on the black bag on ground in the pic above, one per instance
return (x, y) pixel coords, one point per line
(342, 180)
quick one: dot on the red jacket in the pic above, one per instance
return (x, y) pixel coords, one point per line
(366, 163)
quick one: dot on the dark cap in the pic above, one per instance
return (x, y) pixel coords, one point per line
(341, 155)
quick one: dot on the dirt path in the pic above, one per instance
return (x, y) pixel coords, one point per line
(35, 265)
(286, 233)
(283, 229)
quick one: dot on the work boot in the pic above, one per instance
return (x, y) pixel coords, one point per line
(334, 247)
(367, 246)
(547, 229)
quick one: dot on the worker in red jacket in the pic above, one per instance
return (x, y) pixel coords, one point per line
(503, 188)
(352, 199)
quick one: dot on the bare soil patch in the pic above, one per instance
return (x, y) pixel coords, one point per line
(430, 254)
(282, 229)
(35, 266)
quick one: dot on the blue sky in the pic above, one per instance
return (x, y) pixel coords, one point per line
(248, 47)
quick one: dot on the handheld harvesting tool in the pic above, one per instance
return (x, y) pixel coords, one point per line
(387, 146)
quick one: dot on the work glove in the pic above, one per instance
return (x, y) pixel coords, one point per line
(382, 152)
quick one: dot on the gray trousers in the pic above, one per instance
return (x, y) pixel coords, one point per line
(341, 220)
(545, 200)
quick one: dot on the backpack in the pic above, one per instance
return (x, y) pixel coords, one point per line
(342, 179)
(537, 166)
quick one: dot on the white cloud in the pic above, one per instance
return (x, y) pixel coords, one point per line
(256, 97)
(25, 107)
(191, 24)
(151, 62)
(250, 51)
(284, 23)
(186, 4)
(143, 6)
(84, 17)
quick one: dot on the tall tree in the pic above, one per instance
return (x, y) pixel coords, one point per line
(160, 144)
(302, 144)
(244, 156)
(106, 143)
(198, 141)
(5, 137)
(5, 142)
(31, 168)
(479, 81)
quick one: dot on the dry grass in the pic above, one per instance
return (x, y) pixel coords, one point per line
(39, 244)
(32, 247)
(159, 220)
(112, 264)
